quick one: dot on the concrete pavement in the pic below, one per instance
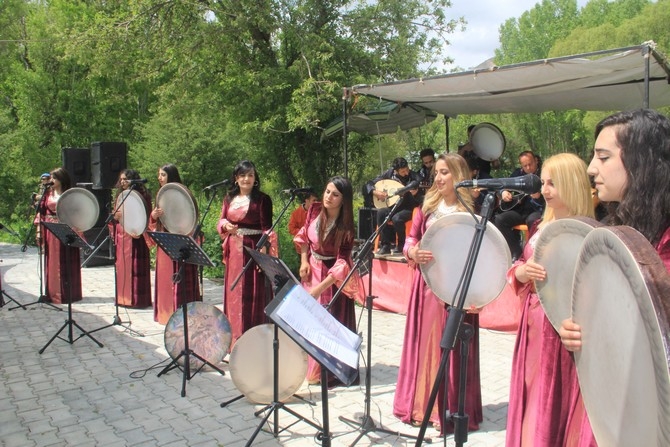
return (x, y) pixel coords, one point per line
(81, 394)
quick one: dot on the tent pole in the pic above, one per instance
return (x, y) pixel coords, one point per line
(645, 103)
(345, 97)
(446, 132)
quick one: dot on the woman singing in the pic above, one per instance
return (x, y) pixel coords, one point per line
(426, 315)
(133, 280)
(544, 379)
(326, 241)
(246, 214)
(170, 296)
(63, 272)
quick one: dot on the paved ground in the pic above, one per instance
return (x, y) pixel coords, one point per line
(84, 395)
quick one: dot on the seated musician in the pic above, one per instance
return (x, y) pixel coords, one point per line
(520, 209)
(401, 173)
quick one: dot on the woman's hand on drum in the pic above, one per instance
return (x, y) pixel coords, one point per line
(571, 335)
(156, 213)
(473, 309)
(530, 271)
(420, 256)
(305, 271)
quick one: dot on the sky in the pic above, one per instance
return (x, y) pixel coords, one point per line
(484, 17)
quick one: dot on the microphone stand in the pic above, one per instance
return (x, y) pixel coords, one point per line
(40, 210)
(263, 240)
(455, 328)
(112, 250)
(197, 233)
(366, 424)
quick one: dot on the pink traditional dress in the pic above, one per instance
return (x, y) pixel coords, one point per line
(169, 296)
(133, 265)
(63, 266)
(324, 260)
(245, 304)
(421, 353)
(544, 392)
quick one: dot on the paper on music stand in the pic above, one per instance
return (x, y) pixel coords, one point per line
(313, 322)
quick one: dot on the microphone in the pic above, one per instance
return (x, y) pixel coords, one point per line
(529, 184)
(137, 181)
(414, 184)
(216, 185)
(298, 190)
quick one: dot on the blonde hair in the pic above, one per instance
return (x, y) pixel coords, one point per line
(568, 173)
(459, 171)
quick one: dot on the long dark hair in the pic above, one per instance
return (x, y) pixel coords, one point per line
(644, 138)
(344, 225)
(130, 174)
(244, 167)
(172, 173)
(63, 177)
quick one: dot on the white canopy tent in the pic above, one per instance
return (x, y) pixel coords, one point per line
(616, 79)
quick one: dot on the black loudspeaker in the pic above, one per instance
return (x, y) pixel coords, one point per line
(104, 256)
(107, 162)
(367, 222)
(77, 162)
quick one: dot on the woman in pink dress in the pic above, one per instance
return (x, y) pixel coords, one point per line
(63, 266)
(631, 171)
(133, 266)
(168, 296)
(325, 242)
(544, 379)
(246, 214)
(426, 315)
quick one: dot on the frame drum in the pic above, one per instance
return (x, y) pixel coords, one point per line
(134, 212)
(449, 239)
(621, 295)
(556, 249)
(180, 213)
(209, 334)
(488, 141)
(78, 208)
(252, 360)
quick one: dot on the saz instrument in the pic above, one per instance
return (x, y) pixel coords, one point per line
(389, 187)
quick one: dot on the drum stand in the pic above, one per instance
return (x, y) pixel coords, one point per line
(365, 423)
(112, 255)
(184, 250)
(454, 329)
(69, 239)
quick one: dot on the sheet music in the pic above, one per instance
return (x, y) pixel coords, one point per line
(311, 320)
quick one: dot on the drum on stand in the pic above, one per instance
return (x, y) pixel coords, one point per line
(621, 300)
(449, 239)
(209, 334)
(134, 211)
(180, 213)
(78, 208)
(252, 365)
(556, 249)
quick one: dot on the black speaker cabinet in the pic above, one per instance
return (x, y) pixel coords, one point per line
(367, 222)
(107, 162)
(77, 162)
(104, 256)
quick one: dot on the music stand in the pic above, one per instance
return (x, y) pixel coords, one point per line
(184, 250)
(68, 238)
(279, 275)
(4, 295)
(316, 331)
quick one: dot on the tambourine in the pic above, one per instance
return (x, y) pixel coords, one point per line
(251, 365)
(488, 141)
(209, 334)
(134, 211)
(449, 239)
(556, 249)
(78, 208)
(620, 298)
(180, 213)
